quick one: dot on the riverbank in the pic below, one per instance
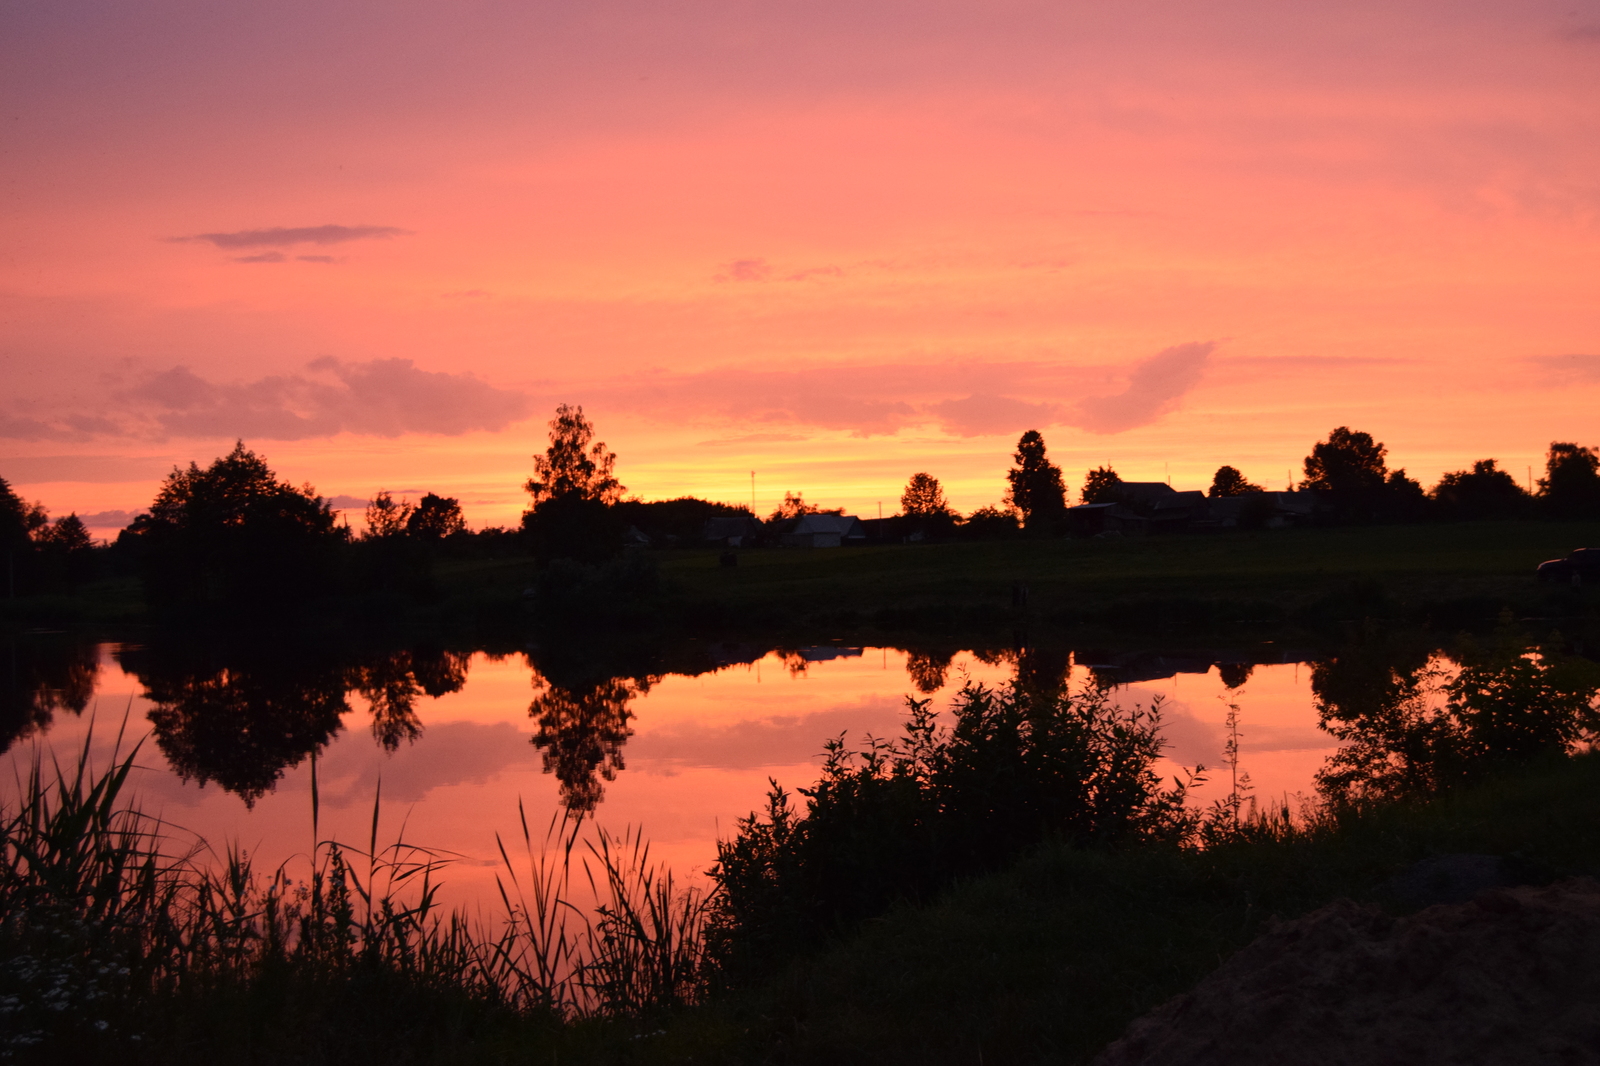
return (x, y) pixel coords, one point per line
(1051, 960)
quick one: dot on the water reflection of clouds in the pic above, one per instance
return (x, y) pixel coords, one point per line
(778, 740)
(454, 753)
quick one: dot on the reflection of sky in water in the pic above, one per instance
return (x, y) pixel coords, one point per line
(701, 755)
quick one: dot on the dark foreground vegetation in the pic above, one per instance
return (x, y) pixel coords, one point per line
(1008, 879)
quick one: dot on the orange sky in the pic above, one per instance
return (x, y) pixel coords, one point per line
(834, 243)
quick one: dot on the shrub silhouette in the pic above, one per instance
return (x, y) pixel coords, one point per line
(900, 819)
(232, 535)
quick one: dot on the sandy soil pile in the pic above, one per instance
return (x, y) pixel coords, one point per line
(1511, 977)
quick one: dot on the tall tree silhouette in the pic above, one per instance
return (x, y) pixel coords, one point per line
(1571, 485)
(1229, 481)
(1035, 486)
(572, 490)
(20, 522)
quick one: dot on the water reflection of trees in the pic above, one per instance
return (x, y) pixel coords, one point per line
(391, 684)
(41, 677)
(581, 732)
(1414, 722)
(242, 716)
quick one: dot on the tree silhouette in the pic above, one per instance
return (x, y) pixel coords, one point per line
(20, 524)
(573, 488)
(436, 517)
(1571, 485)
(385, 517)
(232, 534)
(66, 553)
(1348, 463)
(924, 496)
(1349, 472)
(1228, 481)
(1035, 485)
(1102, 485)
(794, 505)
(1485, 491)
(575, 465)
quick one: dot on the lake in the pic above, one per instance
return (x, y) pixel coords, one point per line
(449, 742)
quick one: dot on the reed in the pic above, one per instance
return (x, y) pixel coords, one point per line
(121, 933)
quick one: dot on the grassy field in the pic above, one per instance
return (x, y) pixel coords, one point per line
(1447, 574)
(1443, 573)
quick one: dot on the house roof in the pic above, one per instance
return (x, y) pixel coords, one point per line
(730, 526)
(841, 524)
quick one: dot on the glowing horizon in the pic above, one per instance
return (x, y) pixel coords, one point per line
(832, 243)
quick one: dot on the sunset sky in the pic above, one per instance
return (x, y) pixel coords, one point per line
(830, 242)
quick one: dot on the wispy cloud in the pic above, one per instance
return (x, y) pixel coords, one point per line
(965, 399)
(982, 414)
(287, 236)
(761, 270)
(1155, 387)
(382, 398)
(1568, 368)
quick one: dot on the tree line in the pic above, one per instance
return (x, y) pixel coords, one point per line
(234, 533)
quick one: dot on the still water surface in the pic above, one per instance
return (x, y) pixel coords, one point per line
(680, 755)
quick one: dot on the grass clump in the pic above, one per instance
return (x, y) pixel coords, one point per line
(112, 943)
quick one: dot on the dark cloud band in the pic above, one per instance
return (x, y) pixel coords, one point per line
(285, 236)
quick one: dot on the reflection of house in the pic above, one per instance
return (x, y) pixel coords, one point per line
(732, 531)
(827, 653)
(821, 531)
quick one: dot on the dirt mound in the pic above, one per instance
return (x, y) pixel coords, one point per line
(1511, 977)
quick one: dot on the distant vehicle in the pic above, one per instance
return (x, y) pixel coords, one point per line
(1582, 567)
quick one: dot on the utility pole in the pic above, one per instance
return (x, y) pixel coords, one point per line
(752, 493)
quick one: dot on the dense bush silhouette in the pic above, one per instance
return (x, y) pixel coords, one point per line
(1485, 491)
(899, 819)
(233, 536)
(1571, 485)
(1350, 473)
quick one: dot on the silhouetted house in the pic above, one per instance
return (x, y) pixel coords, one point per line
(1259, 510)
(821, 531)
(1165, 509)
(732, 531)
(1093, 519)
